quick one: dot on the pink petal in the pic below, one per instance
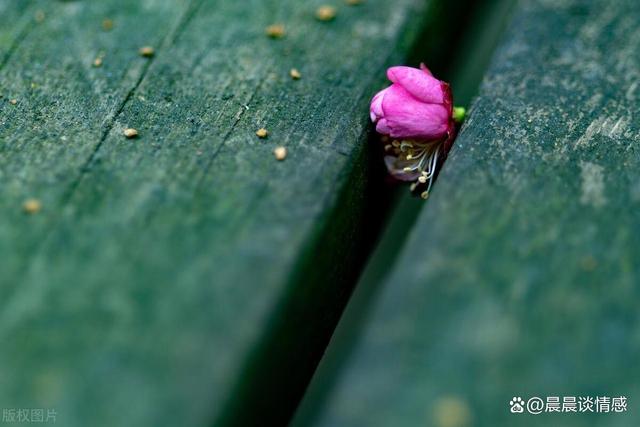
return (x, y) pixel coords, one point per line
(382, 127)
(406, 117)
(376, 106)
(418, 83)
(396, 169)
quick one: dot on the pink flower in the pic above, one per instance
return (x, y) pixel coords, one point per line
(416, 115)
(415, 106)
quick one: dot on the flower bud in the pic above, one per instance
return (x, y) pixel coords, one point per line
(416, 106)
(417, 113)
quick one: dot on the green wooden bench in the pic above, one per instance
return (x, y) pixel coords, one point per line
(520, 277)
(188, 277)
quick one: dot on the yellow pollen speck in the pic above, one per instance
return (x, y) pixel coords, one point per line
(97, 62)
(407, 169)
(130, 133)
(409, 157)
(13, 101)
(280, 153)
(326, 13)
(107, 24)
(451, 411)
(262, 133)
(422, 179)
(388, 147)
(31, 206)
(295, 74)
(425, 195)
(275, 31)
(147, 51)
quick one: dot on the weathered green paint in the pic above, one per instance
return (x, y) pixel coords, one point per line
(521, 275)
(17, 18)
(185, 276)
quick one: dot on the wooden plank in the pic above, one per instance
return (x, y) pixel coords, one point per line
(184, 276)
(520, 277)
(64, 107)
(16, 20)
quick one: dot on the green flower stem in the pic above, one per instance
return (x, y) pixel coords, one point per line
(458, 114)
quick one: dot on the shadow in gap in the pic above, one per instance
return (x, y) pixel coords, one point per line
(462, 61)
(335, 258)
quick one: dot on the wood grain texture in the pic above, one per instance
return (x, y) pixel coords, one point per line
(184, 276)
(520, 277)
(17, 19)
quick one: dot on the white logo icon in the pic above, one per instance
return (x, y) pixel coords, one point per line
(517, 405)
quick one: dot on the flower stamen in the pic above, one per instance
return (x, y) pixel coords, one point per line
(416, 113)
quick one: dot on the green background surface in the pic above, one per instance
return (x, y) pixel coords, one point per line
(184, 276)
(520, 276)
